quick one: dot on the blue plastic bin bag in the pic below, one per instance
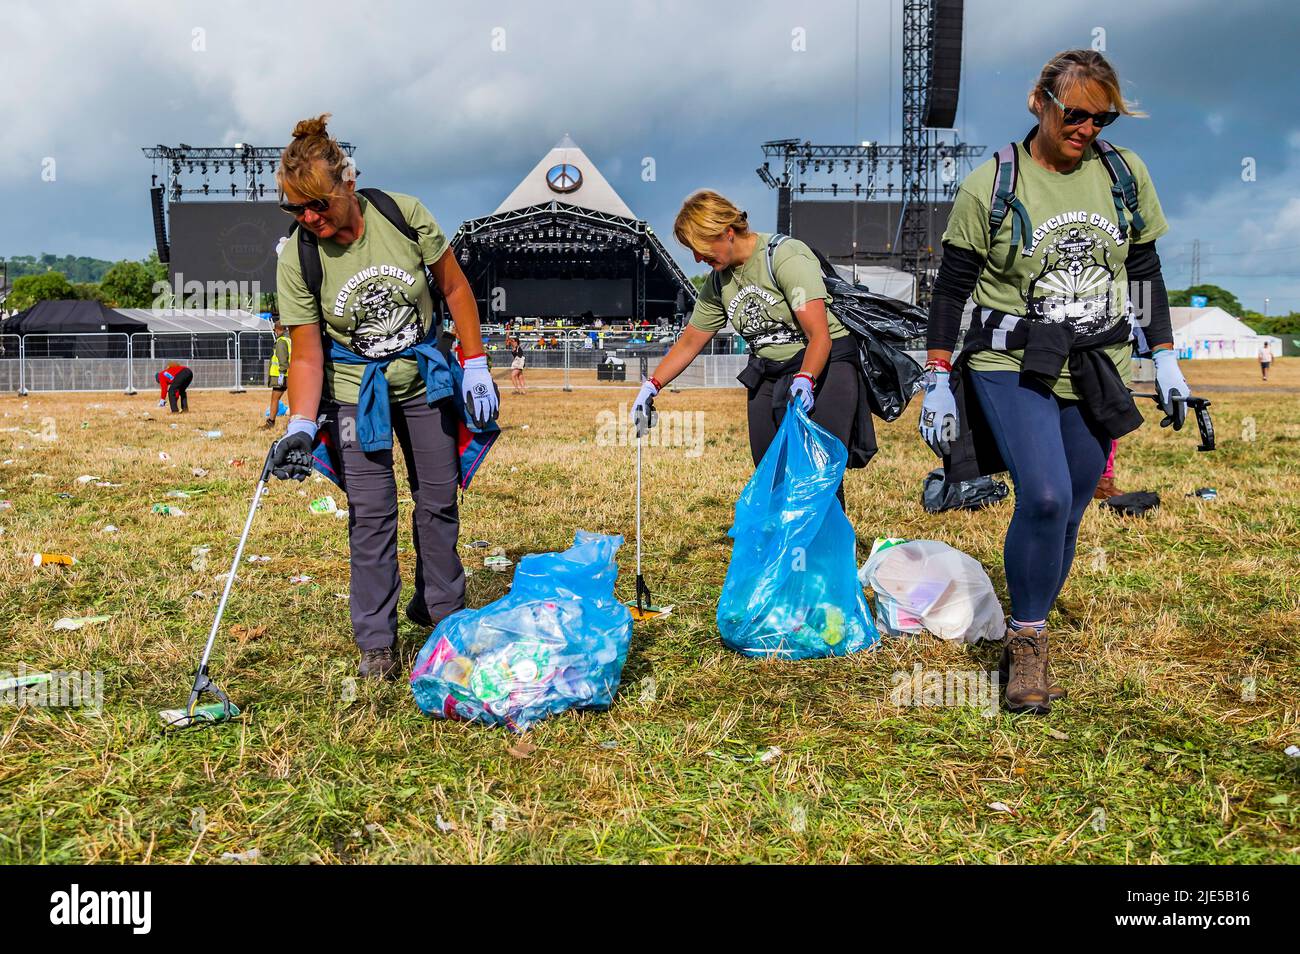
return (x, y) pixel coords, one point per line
(792, 588)
(558, 640)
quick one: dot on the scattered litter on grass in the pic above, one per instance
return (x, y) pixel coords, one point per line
(341, 514)
(64, 496)
(198, 595)
(497, 564)
(105, 483)
(40, 476)
(77, 622)
(180, 494)
(109, 529)
(239, 857)
(444, 826)
(6, 463)
(1058, 734)
(258, 558)
(211, 435)
(166, 511)
(1293, 751)
(323, 505)
(245, 633)
(6, 504)
(522, 749)
(609, 744)
(524, 428)
(86, 478)
(28, 679)
(1001, 807)
(163, 455)
(303, 578)
(771, 754)
(1205, 493)
(199, 472)
(53, 559)
(480, 544)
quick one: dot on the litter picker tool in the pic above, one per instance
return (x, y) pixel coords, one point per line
(643, 607)
(223, 709)
(1201, 407)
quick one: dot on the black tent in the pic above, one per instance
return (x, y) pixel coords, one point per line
(82, 327)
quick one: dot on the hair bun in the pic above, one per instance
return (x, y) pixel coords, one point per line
(310, 128)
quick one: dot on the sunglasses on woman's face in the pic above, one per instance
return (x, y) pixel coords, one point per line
(316, 205)
(1073, 116)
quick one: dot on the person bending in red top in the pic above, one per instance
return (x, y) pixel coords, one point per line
(174, 381)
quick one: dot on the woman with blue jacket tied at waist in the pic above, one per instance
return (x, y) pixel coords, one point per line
(353, 291)
(1052, 236)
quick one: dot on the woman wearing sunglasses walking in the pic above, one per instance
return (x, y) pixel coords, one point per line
(1052, 237)
(353, 291)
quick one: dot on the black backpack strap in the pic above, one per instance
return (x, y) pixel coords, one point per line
(1123, 187)
(386, 207)
(313, 274)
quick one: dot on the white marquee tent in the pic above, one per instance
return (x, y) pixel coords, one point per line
(1213, 333)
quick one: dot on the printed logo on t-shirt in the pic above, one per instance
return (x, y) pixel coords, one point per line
(1075, 283)
(756, 324)
(382, 302)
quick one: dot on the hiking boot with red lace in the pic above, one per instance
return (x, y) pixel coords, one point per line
(1024, 670)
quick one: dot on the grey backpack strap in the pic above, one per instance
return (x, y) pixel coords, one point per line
(1123, 187)
(1003, 200)
(776, 239)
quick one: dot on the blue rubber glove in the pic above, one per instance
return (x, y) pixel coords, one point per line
(643, 414)
(1170, 384)
(482, 399)
(938, 423)
(801, 390)
(292, 455)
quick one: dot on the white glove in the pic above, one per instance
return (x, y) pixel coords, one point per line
(482, 399)
(938, 422)
(643, 415)
(1171, 384)
(801, 390)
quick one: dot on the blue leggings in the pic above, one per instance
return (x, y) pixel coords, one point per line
(1055, 459)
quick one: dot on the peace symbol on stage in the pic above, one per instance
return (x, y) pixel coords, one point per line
(563, 178)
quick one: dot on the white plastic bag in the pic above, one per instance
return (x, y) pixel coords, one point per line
(937, 586)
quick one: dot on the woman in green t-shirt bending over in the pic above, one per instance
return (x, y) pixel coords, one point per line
(1052, 255)
(799, 350)
(365, 367)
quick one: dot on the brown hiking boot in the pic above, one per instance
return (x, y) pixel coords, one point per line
(378, 664)
(1024, 670)
(1106, 489)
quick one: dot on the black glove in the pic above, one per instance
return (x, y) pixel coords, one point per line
(291, 456)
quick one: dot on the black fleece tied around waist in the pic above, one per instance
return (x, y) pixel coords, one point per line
(1050, 348)
(863, 445)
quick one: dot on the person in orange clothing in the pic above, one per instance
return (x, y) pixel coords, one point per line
(174, 381)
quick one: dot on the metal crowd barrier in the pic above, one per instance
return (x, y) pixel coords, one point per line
(130, 363)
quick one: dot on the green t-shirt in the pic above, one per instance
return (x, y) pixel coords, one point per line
(761, 312)
(374, 296)
(1075, 271)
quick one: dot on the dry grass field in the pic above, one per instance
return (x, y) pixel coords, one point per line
(1176, 635)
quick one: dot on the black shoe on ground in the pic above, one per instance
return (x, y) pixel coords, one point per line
(378, 664)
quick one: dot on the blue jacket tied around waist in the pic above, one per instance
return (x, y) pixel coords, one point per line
(442, 379)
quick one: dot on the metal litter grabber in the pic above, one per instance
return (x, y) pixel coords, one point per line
(643, 607)
(196, 713)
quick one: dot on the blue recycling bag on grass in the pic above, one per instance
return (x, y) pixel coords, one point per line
(792, 588)
(558, 640)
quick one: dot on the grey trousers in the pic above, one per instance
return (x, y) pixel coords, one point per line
(427, 436)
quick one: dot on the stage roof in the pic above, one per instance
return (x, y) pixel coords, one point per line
(567, 175)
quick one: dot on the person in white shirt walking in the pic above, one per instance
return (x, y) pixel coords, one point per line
(1265, 360)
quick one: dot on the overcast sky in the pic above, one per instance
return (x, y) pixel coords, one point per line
(436, 111)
